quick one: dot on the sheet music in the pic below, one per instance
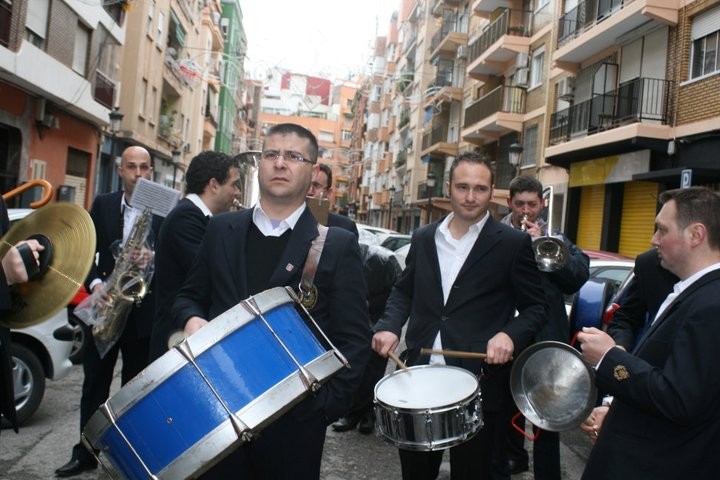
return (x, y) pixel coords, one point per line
(158, 198)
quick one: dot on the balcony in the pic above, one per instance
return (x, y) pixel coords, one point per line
(401, 159)
(441, 89)
(499, 44)
(447, 39)
(483, 8)
(438, 139)
(496, 114)
(594, 25)
(646, 100)
(104, 90)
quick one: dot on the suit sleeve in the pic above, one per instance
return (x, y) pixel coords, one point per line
(193, 299)
(630, 317)
(682, 389)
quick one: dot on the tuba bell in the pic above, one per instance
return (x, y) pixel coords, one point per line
(551, 253)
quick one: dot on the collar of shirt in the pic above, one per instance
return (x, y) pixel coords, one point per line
(195, 198)
(452, 252)
(265, 225)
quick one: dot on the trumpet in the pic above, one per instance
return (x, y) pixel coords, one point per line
(551, 253)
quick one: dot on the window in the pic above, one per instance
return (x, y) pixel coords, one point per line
(143, 96)
(326, 136)
(705, 48)
(537, 67)
(346, 135)
(151, 12)
(37, 22)
(80, 51)
(160, 27)
(153, 103)
(530, 138)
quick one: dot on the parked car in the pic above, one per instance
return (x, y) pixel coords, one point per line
(38, 352)
(587, 307)
(393, 241)
(374, 230)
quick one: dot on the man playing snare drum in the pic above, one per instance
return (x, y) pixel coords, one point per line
(244, 253)
(465, 277)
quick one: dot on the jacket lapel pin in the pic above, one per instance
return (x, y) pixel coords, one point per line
(621, 373)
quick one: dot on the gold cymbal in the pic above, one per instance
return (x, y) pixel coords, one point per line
(72, 234)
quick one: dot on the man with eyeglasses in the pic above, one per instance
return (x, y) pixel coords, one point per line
(247, 252)
(113, 216)
(212, 183)
(321, 187)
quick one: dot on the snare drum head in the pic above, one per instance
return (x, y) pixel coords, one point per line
(426, 386)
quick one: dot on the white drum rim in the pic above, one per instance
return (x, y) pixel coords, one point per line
(449, 404)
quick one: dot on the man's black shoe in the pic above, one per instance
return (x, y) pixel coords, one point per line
(345, 424)
(517, 466)
(75, 467)
(367, 424)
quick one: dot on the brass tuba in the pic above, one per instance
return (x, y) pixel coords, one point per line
(551, 253)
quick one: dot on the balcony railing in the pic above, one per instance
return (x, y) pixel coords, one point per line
(639, 100)
(104, 90)
(510, 22)
(585, 15)
(502, 99)
(438, 134)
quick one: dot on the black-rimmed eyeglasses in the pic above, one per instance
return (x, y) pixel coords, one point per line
(290, 157)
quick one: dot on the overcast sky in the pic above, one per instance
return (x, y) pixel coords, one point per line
(328, 38)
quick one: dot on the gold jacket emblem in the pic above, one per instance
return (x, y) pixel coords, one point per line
(309, 299)
(621, 373)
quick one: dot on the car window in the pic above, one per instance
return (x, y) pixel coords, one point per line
(617, 274)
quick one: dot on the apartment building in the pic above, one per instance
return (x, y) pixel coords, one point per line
(325, 108)
(170, 79)
(608, 101)
(58, 64)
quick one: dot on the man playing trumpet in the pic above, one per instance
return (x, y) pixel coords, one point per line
(526, 204)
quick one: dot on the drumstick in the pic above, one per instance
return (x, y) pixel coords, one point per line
(399, 362)
(452, 353)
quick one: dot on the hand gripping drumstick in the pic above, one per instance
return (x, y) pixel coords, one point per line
(399, 362)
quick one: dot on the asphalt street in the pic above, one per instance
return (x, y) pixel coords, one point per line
(44, 443)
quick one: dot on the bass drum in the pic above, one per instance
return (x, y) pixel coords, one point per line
(428, 407)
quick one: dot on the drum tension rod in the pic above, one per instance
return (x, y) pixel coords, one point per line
(108, 413)
(337, 352)
(311, 383)
(241, 429)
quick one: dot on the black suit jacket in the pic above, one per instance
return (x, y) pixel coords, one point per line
(7, 397)
(217, 281)
(664, 422)
(650, 284)
(499, 276)
(105, 213)
(337, 220)
(177, 246)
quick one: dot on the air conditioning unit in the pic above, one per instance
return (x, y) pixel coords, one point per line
(521, 77)
(566, 88)
(521, 61)
(462, 52)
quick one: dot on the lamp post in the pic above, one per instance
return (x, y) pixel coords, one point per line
(515, 151)
(430, 185)
(176, 162)
(115, 122)
(390, 205)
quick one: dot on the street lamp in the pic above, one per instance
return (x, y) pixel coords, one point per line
(430, 186)
(115, 122)
(392, 194)
(176, 162)
(515, 151)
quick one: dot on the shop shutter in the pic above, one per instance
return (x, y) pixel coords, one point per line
(592, 201)
(637, 223)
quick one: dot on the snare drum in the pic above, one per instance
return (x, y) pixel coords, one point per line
(431, 407)
(201, 400)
